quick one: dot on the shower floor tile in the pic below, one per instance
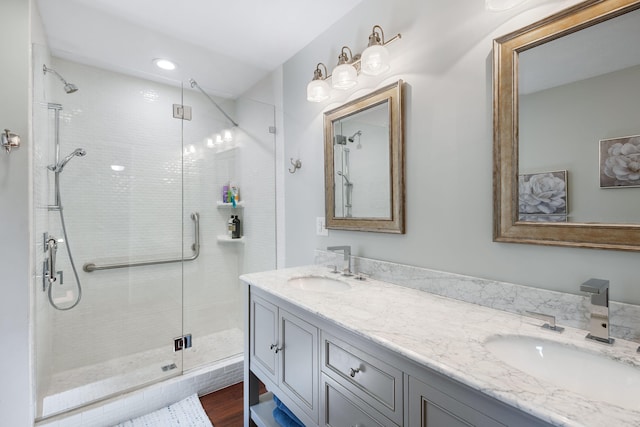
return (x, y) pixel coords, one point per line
(81, 386)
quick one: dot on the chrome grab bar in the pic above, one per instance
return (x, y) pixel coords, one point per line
(90, 266)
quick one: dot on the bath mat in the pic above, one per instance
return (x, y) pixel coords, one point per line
(187, 413)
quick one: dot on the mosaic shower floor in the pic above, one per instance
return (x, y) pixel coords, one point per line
(81, 386)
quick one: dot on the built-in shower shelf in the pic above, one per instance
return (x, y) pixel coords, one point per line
(226, 239)
(229, 205)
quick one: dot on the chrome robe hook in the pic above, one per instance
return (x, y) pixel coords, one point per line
(296, 165)
(10, 140)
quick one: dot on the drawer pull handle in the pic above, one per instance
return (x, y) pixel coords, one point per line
(353, 372)
(275, 348)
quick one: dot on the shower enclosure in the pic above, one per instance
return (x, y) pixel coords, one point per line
(146, 225)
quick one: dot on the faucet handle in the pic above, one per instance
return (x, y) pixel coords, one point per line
(595, 286)
(551, 325)
(334, 268)
(599, 290)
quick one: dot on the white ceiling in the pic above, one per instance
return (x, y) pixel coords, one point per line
(225, 45)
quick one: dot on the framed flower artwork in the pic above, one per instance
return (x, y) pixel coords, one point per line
(542, 197)
(620, 162)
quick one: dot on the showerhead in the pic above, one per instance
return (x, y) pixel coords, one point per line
(68, 87)
(193, 83)
(79, 152)
(352, 137)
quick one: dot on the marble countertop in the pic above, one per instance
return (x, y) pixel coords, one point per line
(397, 317)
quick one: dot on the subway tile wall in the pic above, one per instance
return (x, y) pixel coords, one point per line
(124, 202)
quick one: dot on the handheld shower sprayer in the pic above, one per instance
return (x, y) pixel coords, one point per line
(80, 152)
(344, 177)
(68, 87)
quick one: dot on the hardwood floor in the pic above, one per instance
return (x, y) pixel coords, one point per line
(224, 407)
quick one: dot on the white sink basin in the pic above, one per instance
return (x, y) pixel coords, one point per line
(319, 284)
(594, 376)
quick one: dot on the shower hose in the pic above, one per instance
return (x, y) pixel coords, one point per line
(73, 265)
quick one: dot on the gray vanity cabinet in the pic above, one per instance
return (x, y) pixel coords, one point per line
(284, 349)
(331, 377)
(429, 407)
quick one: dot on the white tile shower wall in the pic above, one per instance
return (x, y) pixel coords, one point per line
(136, 214)
(257, 172)
(212, 299)
(113, 216)
(570, 310)
(149, 399)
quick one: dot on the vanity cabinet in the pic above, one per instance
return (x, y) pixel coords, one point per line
(284, 353)
(330, 376)
(429, 407)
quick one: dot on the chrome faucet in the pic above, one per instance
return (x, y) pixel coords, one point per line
(599, 321)
(346, 271)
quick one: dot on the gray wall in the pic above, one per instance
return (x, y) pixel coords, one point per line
(15, 394)
(560, 129)
(445, 58)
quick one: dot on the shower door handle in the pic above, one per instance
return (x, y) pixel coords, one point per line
(52, 249)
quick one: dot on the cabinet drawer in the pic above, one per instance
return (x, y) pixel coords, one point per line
(429, 407)
(341, 411)
(376, 382)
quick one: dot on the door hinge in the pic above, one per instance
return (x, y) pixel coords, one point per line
(182, 342)
(182, 112)
(272, 129)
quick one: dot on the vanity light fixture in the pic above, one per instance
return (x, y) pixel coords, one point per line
(345, 75)
(164, 64)
(375, 58)
(373, 61)
(318, 89)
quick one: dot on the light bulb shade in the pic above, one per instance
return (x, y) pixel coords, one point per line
(318, 90)
(375, 60)
(344, 77)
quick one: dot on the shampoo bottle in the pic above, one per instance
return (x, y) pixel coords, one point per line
(231, 227)
(236, 228)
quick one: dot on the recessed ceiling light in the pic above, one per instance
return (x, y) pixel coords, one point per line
(165, 64)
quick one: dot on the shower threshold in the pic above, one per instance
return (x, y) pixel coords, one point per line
(86, 385)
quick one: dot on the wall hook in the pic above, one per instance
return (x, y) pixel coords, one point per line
(296, 165)
(10, 140)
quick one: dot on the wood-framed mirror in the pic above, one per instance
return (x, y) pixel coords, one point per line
(566, 124)
(364, 163)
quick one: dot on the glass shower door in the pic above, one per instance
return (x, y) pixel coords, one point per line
(122, 206)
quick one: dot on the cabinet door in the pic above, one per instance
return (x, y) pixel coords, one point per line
(264, 337)
(429, 407)
(299, 362)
